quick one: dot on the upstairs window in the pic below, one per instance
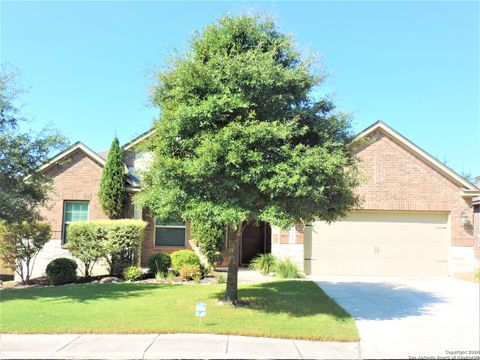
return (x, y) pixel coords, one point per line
(170, 233)
(73, 211)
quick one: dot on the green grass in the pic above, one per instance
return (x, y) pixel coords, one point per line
(285, 309)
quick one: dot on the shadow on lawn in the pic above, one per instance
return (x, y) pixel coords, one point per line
(81, 292)
(296, 298)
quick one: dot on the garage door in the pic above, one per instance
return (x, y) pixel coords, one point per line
(379, 243)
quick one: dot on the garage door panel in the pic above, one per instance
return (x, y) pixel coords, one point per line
(380, 243)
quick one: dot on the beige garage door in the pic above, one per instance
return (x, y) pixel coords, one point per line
(379, 243)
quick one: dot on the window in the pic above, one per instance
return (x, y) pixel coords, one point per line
(170, 233)
(73, 211)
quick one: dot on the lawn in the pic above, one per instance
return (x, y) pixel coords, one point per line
(285, 309)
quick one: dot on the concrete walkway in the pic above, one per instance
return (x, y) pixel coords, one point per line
(167, 346)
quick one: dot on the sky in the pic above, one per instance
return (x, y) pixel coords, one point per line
(88, 66)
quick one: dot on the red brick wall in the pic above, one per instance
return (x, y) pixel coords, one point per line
(148, 245)
(396, 179)
(76, 177)
(393, 178)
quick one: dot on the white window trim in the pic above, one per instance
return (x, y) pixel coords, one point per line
(168, 227)
(63, 232)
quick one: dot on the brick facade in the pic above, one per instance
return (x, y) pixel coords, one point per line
(393, 178)
(396, 179)
(148, 245)
(76, 177)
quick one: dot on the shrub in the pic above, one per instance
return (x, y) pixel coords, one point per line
(123, 241)
(190, 271)
(170, 276)
(132, 273)
(184, 257)
(118, 241)
(19, 245)
(160, 275)
(112, 191)
(210, 237)
(264, 263)
(62, 271)
(221, 279)
(159, 262)
(86, 242)
(477, 274)
(287, 269)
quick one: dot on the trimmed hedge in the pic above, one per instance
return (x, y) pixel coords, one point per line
(184, 257)
(117, 241)
(62, 271)
(159, 263)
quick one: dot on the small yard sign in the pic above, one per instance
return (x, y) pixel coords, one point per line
(201, 309)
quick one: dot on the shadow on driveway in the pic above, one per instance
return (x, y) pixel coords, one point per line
(380, 301)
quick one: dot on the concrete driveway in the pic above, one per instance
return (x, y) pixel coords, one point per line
(400, 317)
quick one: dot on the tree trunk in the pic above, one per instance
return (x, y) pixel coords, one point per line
(27, 275)
(232, 278)
(87, 272)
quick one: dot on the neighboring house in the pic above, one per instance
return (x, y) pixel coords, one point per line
(417, 216)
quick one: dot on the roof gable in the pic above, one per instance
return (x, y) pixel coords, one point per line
(67, 152)
(139, 139)
(467, 187)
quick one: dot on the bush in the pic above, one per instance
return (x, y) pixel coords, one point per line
(184, 257)
(19, 245)
(190, 271)
(132, 273)
(221, 279)
(86, 243)
(159, 262)
(477, 274)
(287, 269)
(264, 263)
(62, 271)
(124, 238)
(160, 275)
(118, 241)
(210, 237)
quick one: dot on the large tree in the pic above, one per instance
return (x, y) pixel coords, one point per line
(112, 193)
(23, 190)
(242, 137)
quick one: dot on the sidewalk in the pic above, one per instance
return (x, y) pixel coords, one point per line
(165, 346)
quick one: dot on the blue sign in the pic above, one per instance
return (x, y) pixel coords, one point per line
(201, 309)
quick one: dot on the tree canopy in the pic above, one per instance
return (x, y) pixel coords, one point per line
(112, 193)
(242, 137)
(23, 189)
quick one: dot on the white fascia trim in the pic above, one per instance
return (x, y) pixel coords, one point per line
(414, 148)
(65, 153)
(138, 139)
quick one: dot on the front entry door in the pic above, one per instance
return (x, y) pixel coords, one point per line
(253, 242)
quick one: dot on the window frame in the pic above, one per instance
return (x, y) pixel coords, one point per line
(64, 223)
(169, 227)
